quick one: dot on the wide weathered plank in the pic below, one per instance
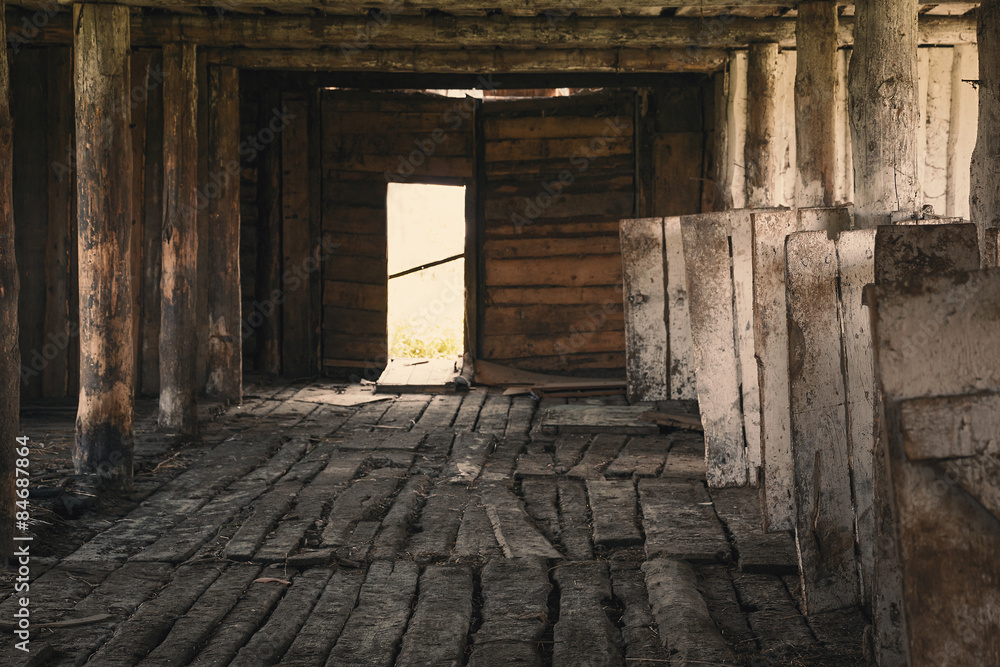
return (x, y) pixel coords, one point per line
(643, 456)
(741, 231)
(374, 629)
(710, 294)
(824, 517)
(685, 626)
(468, 454)
(436, 634)
(602, 450)
(679, 522)
(574, 520)
(757, 551)
(584, 636)
(514, 613)
(326, 619)
(613, 508)
(579, 418)
(642, 644)
(646, 349)
(513, 529)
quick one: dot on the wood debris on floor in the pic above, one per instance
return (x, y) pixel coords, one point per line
(425, 529)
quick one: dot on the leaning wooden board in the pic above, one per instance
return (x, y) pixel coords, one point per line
(710, 303)
(646, 349)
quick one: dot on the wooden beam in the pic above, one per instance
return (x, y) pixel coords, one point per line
(354, 35)
(178, 339)
(225, 348)
(761, 156)
(527, 61)
(104, 425)
(984, 197)
(152, 227)
(10, 363)
(816, 104)
(646, 314)
(884, 111)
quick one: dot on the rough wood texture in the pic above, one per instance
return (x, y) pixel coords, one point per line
(267, 331)
(884, 110)
(646, 349)
(437, 632)
(298, 340)
(710, 291)
(10, 367)
(905, 252)
(741, 231)
(736, 131)
(681, 359)
(225, 340)
(984, 199)
(762, 159)
(962, 134)
(771, 343)
(937, 338)
(816, 83)
(584, 636)
(152, 226)
(179, 277)
(824, 526)
(104, 429)
(686, 628)
(856, 263)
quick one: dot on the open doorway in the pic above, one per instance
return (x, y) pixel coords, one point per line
(426, 284)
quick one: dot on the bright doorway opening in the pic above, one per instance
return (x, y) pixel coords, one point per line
(426, 242)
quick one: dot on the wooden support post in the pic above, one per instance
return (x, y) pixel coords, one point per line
(962, 136)
(762, 155)
(646, 315)
(10, 361)
(225, 349)
(178, 339)
(736, 131)
(938, 364)
(720, 141)
(138, 101)
(816, 85)
(824, 527)
(710, 299)
(104, 436)
(884, 113)
(152, 227)
(267, 334)
(984, 197)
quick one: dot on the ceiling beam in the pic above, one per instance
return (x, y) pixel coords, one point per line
(353, 35)
(463, 61)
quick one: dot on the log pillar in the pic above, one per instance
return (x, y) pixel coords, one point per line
(10, 360)
(816, 83)
(762, 157)
(225, 349)
(178, 279)
(104, 436)
(882, 84)
(984, 196)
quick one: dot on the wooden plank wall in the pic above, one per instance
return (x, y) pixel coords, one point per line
(369, 139)
(559, 174)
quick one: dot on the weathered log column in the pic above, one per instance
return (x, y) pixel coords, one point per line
(884, 114)
(984, 196)
(762, 156)
(225, 349)
(816, 104)
(178, 340)
(10, 360)
(104, 438)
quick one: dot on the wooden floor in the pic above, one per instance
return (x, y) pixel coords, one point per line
(420, 530)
